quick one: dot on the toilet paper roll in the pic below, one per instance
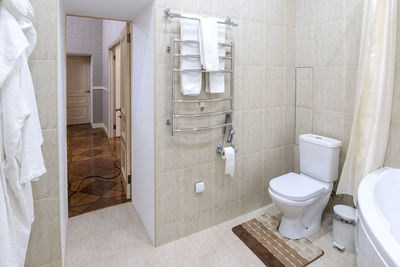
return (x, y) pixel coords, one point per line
(229, 156)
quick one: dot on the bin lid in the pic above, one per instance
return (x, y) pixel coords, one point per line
(345, 212)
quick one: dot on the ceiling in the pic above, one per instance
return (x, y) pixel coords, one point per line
(110, 9)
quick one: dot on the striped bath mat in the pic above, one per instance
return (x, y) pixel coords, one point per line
(262, 237)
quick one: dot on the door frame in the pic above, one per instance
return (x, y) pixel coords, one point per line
(111, 82)
(111, 89)
(90, 82)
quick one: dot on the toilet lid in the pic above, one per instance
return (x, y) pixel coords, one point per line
(296, 187)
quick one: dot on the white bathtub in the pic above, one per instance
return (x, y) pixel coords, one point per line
(378, 228)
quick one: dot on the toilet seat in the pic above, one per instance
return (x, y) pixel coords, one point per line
(297, 187)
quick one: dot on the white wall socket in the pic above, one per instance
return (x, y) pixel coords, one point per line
(199, 187)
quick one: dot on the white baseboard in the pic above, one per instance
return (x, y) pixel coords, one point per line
(101, 125)
(100, 88)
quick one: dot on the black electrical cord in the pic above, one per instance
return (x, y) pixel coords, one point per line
(94, 176)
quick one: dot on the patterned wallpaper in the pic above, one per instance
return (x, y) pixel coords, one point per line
(85, 36)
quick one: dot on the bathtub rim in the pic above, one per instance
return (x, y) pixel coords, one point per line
(370, 216)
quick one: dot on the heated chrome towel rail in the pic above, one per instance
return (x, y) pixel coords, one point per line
(175, 70)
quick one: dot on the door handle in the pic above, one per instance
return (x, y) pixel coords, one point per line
(118, 109)
(87, 91)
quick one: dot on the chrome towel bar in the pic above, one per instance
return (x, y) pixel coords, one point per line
(205, 114)
(197, 56)
(228, 21)
(201, 70)
(202, 100)
(197, 42)
(197, 129)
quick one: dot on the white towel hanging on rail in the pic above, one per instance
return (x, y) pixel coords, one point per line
(215, 82)
(190, 81)
(209, 44)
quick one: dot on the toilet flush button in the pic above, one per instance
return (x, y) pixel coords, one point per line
(199, 187)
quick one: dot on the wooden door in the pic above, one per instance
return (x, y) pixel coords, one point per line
(126, 109)
(78, 90)
(117, 91)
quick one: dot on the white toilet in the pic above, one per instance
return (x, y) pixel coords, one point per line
(302, 198)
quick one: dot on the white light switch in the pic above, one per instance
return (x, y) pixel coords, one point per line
(199, 187)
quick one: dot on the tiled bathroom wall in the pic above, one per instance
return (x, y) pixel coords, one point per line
(393, 152)
(327, 50)
(264, 118)
(45, 245)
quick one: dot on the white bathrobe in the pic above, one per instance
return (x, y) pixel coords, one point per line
(21, 137)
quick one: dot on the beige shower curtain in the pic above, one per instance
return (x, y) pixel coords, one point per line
(373, 102)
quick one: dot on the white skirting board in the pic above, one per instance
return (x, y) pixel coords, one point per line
(100, 88)
(101, 125)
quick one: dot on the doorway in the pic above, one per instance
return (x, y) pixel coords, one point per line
(98, 96)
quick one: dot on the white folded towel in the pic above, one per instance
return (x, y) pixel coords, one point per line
(215, 82)
(209, 44)
(190, 81)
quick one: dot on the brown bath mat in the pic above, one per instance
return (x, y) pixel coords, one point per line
(262, 237)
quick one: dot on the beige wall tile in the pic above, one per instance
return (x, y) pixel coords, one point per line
(276, 12)
(44, 76)
(275, 45)
(393, 152)
(328, 10)
(45, 22)
(329, 44)
(196, 203)
(273, 165)
(296, 159)
(169, 191)
(253, 10)
(304, 13)
(304, 46)
(303, 122)
(290, 47)
(354, 8)
(47, 186)
(353, 39)
(328, 123)
(351, 88)
(329, 88)
(274, 93)
(251, 175)
(304, 87)
(288, 158)
(290, 92)
(169, 148)
(168, 233)
(251, 132)
(45, 243)
(226, 188)
(252, 86)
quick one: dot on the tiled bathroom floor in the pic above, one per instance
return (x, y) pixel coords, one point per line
(91, 152)
(116, 237)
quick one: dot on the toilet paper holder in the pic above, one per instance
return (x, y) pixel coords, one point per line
(229, 140)
(220, 149)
